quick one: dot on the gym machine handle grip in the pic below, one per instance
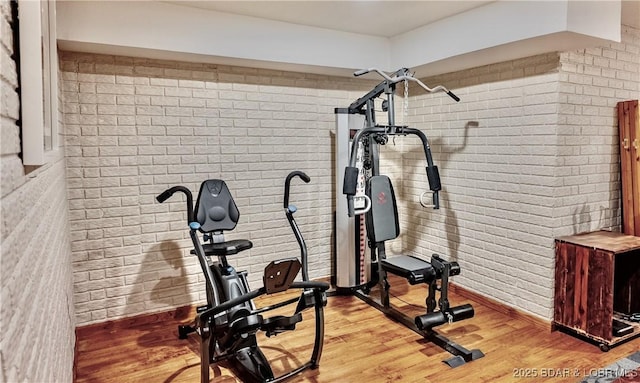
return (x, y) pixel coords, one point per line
(349, 186)
(361, 72)
(453, 96)
(287, 184)
(433, 176)
(435, 201)
(350, 180)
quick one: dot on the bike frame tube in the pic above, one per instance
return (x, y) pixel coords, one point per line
(301, 242)
(208, 275)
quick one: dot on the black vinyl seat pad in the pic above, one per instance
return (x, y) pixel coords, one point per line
(226, 248)
(410, 267)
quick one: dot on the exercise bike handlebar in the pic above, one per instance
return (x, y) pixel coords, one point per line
(169, 192)
(396, 79)
(289, 210)
(287, 184)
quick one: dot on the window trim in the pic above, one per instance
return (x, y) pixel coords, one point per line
(38, 81)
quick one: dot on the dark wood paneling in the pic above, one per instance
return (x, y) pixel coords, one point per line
(629, 133)
(560, 296)
(600, 294)
(581, 287)
(567, 318)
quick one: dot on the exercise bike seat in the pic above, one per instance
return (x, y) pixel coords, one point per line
(225, 248)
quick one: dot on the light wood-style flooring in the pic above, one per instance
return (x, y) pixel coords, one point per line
(361, 345)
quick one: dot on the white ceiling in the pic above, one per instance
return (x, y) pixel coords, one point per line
(384, 18)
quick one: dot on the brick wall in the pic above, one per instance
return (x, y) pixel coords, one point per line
(496, 153)
(136, 127)
(529, 154)
(37, 319)
(592, 82)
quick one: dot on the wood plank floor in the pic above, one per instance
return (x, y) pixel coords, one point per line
(361, 345)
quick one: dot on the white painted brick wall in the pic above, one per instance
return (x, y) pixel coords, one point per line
(36, 316)
(542, 162)
(136, 127)
(495, 152)
(592, 82)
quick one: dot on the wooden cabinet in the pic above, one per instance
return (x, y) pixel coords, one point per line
(629, 127)
(597, 280)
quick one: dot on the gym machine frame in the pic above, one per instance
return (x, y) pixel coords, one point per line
(358, 268)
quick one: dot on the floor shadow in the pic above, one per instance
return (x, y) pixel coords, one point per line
(170, 271)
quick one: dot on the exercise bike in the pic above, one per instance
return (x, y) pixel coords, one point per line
(228, 323)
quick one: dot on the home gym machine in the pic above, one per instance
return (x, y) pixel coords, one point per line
(228, 324)
(368, 217)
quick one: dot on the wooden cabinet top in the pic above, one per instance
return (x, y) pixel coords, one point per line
(604, 240)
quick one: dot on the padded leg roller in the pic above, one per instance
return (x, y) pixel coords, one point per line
(454, 314)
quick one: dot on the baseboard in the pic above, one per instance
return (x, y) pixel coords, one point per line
(500, 307)
(75, 357)
(185, 313)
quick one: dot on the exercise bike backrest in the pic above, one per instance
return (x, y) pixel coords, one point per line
(215, 208)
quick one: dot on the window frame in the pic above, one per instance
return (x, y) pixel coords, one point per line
(38, 81)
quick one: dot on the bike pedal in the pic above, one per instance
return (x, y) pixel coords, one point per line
(184, 331)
